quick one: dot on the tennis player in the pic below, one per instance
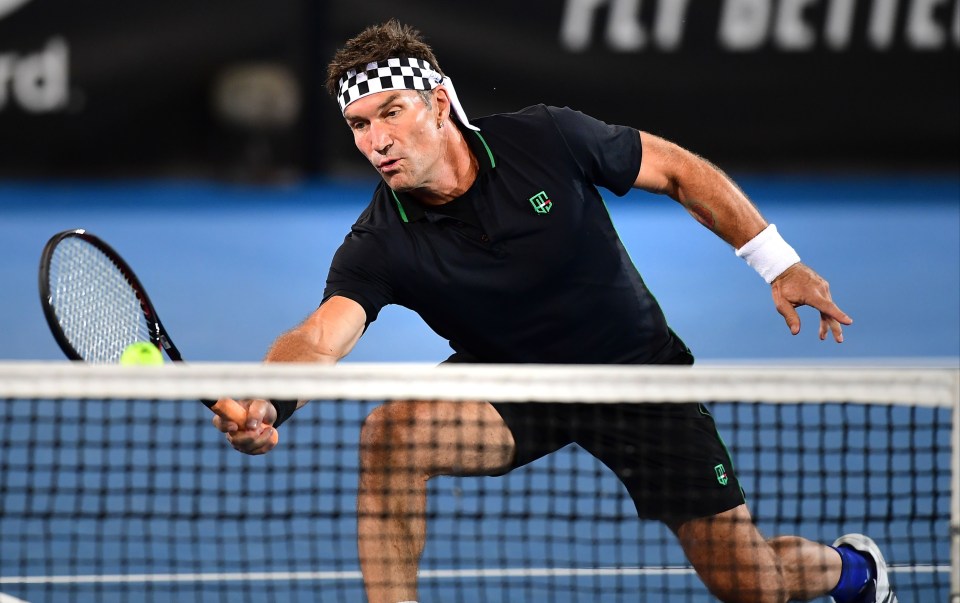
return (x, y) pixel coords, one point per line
(494, 232)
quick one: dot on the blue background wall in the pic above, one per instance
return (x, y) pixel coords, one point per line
(229, 268)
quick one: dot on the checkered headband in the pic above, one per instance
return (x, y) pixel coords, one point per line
(396, 74)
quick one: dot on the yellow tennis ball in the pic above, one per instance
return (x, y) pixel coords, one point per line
(141, 353)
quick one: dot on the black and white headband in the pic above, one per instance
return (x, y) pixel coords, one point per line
(397, 74)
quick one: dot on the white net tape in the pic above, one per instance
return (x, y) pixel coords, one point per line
(935, 387)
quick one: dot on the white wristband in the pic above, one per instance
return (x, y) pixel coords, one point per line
(768, 254)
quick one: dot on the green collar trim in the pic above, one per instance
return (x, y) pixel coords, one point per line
(409, 209)
(486, 147)
(403, 214)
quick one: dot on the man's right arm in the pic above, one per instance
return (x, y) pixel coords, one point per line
(326, 336)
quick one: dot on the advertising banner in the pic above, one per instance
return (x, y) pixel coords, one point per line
(225, 87)
(99, 87)
(785, 84)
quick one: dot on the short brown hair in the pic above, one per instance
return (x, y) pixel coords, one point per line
(376, 43)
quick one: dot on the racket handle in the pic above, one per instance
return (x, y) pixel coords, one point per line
(233, 412)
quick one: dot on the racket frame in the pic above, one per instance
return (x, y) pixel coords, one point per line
(158, 334)
(226, 409)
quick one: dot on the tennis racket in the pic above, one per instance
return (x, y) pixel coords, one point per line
(96, 306)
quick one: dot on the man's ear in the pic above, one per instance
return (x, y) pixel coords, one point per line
(442, 99)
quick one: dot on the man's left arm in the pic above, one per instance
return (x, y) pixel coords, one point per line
(715, 201)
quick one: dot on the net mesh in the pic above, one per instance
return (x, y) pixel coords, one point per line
(115, 487)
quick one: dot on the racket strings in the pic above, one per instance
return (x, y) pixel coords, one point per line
(96, 306)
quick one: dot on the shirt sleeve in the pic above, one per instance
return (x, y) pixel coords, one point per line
(359, 272)
(609, 155)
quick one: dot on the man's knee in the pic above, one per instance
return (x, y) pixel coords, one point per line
(428, 438)
(386, 431)
(390, 437)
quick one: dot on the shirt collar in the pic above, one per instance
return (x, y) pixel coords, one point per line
(411, 210)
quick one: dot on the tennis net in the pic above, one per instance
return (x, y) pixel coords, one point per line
(115, 487)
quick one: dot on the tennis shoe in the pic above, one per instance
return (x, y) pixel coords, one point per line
(877, 590)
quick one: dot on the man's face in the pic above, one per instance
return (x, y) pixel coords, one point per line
(398, 134)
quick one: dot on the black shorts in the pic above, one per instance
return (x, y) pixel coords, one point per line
(670, 457)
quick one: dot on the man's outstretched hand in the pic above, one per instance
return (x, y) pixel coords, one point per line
(799, 286)
(257, 435)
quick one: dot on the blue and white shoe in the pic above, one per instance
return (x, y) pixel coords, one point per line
(878, 590)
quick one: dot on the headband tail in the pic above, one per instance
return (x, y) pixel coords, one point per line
(455, 103)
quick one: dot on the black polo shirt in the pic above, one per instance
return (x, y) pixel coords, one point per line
(526, 267)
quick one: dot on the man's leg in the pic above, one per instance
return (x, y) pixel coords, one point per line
(738, 565)
(402, 445)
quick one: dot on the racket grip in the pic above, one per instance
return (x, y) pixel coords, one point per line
(233, 412)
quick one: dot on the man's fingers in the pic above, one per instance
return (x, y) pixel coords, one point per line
(801, 286)
(224, 425)
(230, 410)
(831, 318)
(790, 315)
(831, 310)
(226, 414)
(255, 414)
(247, 424)
(254, 442)
(828, 324)
(266, 441)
